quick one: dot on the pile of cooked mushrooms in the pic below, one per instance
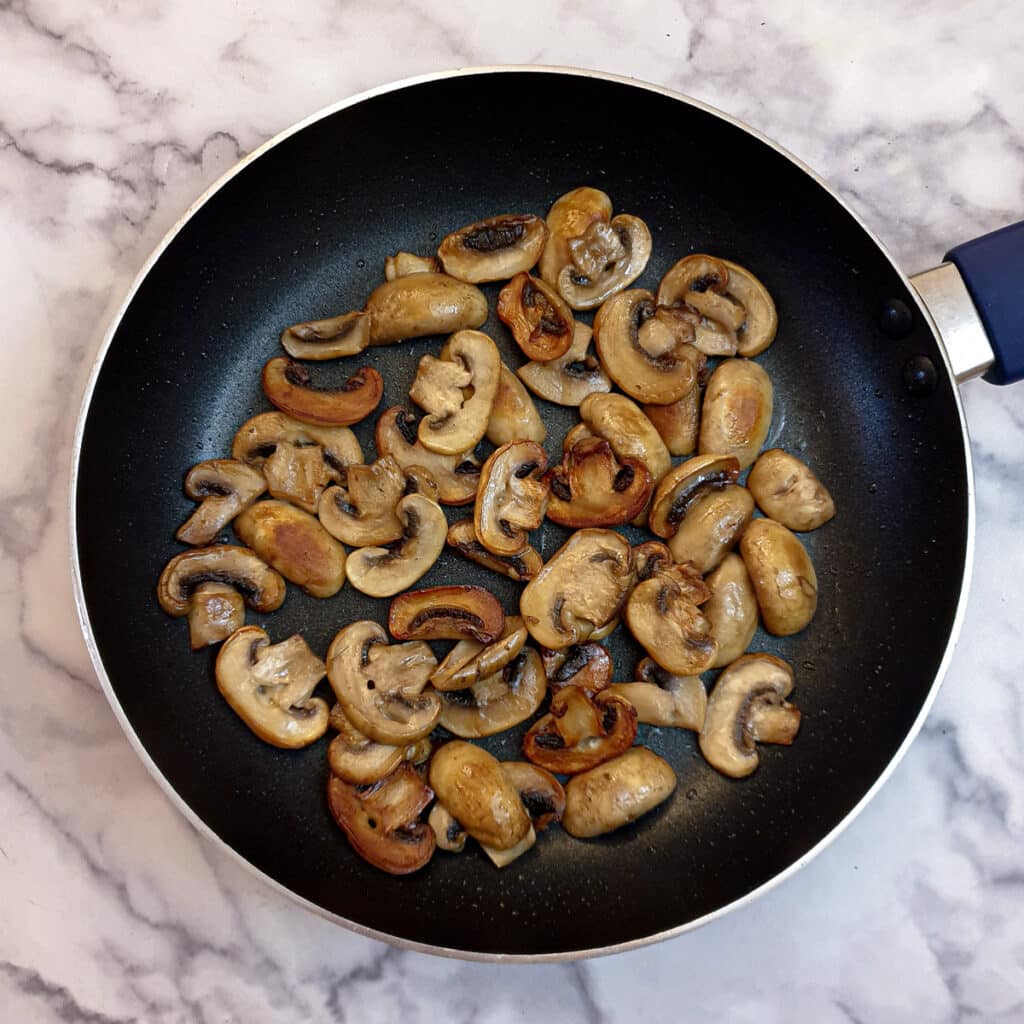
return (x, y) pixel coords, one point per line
(405, 776)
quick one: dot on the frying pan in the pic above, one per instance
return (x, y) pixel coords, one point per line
(865, 393)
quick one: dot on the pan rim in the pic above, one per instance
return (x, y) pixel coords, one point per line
(164, 783)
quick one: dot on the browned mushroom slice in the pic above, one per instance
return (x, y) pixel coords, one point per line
(333, 338)
(606, 258)
(580, 731)
(737, 411)
(511, 498)
(499, 701)
(457, 393)
(270, 687)
(295, 544)
(668, 701)
(569, 217)
(757, 331)
(493, 249)
(748, 706)
(225, 487)
(678, 423)
(540, 321)
(568, 379)
(713, 524)
(380, 685)
(212, 614)
(418, 304)
(687, 482)
(700, 282)
(514, 417)
(787, 491)
(456, 476)
(579, 590)
(357, 759)
(783, 576)
(288, 386)
(731, 610)
(298, 475)
(363, 511)
(645, 348)
(470, 661)
(540, 791)
(446, 613)
(630, 433)
(400, 850)
(402, 264)
(587, 665)
(519, 567)
(591, 487)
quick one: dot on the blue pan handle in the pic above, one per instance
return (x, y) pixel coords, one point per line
(992, 267)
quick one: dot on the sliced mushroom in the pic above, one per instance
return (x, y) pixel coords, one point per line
(757, 331)
(713, 524)
(295, 544)
(450, 835)
(419, 304)
(538, 317)
(645, 348)
(380, 686)
(270, 686)
(400, 849)
(569, 217)
(494, 249)
(684, 485)
(678, 703)
(225, 487)
(402, 264)
(580, 731)
(587, 665)
(513, 414)
(471, 785)
(650, 558)
(512, 497)
(383, 572)
(288, 385)
(663, 615)
(332, 338)
(456, 476)
(650, 672)
(700, 282)
(591, 487)
(731, 609)
(498, 702)
(630, 433)
(520, 567)
(787, 491)
(456, 422)
(470, 660)
(298, 475)
(783, 576)
(616, 793)
(540, 791)
(213, 615)
(748, 706)
(737, 411)
(356, 758)
(362, 511)
(446, 613)
(568, 379)
(678, 423)
(606, 258)
(579, 590)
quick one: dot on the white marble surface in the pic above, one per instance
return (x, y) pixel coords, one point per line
(113, 116)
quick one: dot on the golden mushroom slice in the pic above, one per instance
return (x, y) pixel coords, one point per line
(579, 590)
(587, 665)
(457, 393)
(713, 524)
(631, 434)
(737, 411)
(783, 576)
(224, 487)
(384, 572)
(569, 217)
(606, 258)
(568, 379)
(519, 567)
(700, 282)
(289, 386)
(493, 249)
(471, 660)
(415, 305)
(357, 759)
(684, 485)
(511, 498)
(380, 685)
(514, 417)
(787, 491)
(270, 687)
(663, 699)
(497, 702)
(538, 317)
(731, 609)
(333, 338)
(748, 706)
(446, 613)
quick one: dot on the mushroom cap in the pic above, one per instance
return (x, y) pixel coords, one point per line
(470, 660)
(731, 609)
(446, 613)
(513, 415)
(568, 379)
(713, 523)
(538, 317)
(569, 217)
(620, 421)
(520, 567)
(684, 484)
(257, 439)
(337, 336)
(511, 498)
(580, 589)
(606, 257)
(737, 411)
(472, 786)
(494, 249)
(664, 619)
(456, 476)
(761, 321)
(783, 576)
(225, 487)
(238, 567)
(540, 791)
(588, 666)
(362, 512)
(384, 572)
(787, 491)
(270, 687)
(748, 704)
(418, 304)
(380, 685)
(288, 386)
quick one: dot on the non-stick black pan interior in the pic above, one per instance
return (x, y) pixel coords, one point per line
(302, 232)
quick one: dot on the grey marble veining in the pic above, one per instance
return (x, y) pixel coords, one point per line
(113, 117)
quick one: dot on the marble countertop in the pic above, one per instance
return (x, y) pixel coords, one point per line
(113, 908)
